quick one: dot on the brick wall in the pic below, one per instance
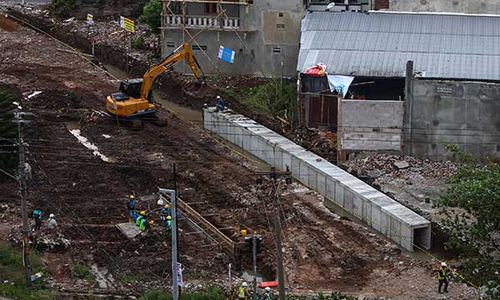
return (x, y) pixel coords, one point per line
(381, 4)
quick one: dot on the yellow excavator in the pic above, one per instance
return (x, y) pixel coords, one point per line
(134, 102)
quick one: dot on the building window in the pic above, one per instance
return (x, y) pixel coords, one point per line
(281, 14)
(250, 1)
(200, 47)
(210, 8)
(276, 50)
(280, 26)
(170, 44)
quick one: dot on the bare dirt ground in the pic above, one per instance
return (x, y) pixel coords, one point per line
(322, 251)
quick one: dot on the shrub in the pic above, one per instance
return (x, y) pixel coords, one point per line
(63, 8)
(151, 15)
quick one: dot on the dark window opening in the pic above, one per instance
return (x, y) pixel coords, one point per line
(276, 50)
(200, 47)
(211, 8)
(170, 44)
(374, 88)
(280, 26)
(281, 14)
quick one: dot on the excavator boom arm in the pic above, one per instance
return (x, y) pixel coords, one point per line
(182, 53)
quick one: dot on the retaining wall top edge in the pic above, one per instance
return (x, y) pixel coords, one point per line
(405, 214)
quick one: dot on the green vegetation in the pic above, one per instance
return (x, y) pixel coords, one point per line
(215, 293)
(212, 293)
(63, 8)
(138, 43)
(475, 230)
(8, 135)
(151, 15)
(270, 99)
(82, 272)
(332, 296)
(12, 280)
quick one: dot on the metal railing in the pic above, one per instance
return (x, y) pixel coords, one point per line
(202, 22)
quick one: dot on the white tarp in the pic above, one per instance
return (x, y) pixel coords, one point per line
(340, 83)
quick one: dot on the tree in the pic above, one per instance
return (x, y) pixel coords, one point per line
(474, 229)
(63, 8)
(8, 134)
(151, 15)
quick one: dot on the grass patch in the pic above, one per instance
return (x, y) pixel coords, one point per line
(12, 271)
(82, 272)
(212, 293)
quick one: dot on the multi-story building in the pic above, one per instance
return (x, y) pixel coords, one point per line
(265, 35)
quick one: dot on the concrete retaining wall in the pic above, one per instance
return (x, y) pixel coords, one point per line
(460, 113)
(376, 209)
(370, 125)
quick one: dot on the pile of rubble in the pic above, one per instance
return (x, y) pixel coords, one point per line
(415, 183)
(400, 166)
(41, 241)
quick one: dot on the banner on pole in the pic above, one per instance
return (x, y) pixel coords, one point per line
(127, 24)
(180, 269)
(226, 54)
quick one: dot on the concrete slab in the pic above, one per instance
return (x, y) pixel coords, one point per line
(129, 230)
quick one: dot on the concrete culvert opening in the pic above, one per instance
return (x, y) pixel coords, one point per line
(422, 237)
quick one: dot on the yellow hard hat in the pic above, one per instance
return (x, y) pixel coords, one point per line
(169, 218)
(131, 196)
(167, 206)
(142, 212)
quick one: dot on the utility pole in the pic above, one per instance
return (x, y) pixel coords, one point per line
(254, 256)
(173, 201)
(176, 219)
(22, 192)
(277, 225)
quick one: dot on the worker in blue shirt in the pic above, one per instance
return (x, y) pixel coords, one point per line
(219, 104)
(37, 216)
(131, 205)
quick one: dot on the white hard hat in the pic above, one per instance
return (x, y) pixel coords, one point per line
(244, 284)
(267, 289)
(51, 216)
(443, 264)
(218, 97)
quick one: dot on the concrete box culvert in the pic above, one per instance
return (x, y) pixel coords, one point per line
(382, 213)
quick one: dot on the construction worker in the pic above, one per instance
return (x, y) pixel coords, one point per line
(219, 104)
(131, 205)
(168, 222)
(37, 216)
(243, 291)
(442, 277)
(135, 215)
(141, 221)
(51, 222)
(166, 211)
(268, 294)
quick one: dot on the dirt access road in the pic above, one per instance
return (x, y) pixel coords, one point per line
(322, 252)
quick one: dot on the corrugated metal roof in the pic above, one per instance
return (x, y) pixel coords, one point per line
(379, 44)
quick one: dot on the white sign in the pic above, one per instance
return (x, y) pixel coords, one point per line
(90, 19)
(180, 269)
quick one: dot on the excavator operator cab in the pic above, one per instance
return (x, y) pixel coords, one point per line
(131, 87)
